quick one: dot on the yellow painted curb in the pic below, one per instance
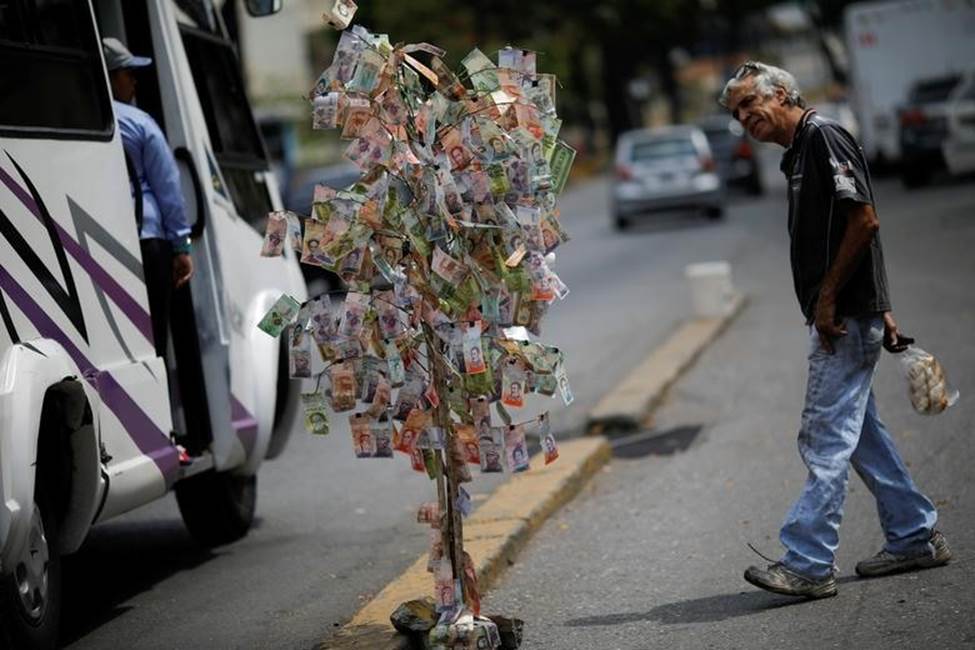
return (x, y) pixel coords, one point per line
(629, 404)
(493, 535)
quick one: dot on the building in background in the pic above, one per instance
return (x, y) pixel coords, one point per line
(275, 52)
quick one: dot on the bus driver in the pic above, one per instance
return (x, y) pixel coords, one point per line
(165, 233)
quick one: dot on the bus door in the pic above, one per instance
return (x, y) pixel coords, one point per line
(227, 369)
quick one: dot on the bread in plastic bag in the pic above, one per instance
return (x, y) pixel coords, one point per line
(929, 390)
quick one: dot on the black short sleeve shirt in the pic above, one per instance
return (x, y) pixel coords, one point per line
(826, 174)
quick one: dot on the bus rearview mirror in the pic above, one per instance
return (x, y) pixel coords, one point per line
(259, 8)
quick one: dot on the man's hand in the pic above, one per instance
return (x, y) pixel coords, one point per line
(861, 226)
(894, 341)
(182, 269)
(826, 324)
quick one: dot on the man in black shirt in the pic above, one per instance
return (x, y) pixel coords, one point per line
(840, 281)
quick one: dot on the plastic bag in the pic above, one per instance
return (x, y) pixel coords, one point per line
(928, 387)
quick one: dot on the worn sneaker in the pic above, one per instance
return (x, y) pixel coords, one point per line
(884, 563)
(778, 579)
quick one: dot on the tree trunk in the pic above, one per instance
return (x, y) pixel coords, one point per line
(447, 483)
(617, 69)
(669, 85)
(579, 79)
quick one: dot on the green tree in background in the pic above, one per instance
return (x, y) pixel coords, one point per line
(596, 49)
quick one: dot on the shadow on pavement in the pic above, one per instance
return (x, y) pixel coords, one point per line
(655, 222)
(366, 636)
(654, 443)
(118, 561)
(710, 609)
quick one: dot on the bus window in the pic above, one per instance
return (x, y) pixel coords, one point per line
(236, 140)
(53, 83)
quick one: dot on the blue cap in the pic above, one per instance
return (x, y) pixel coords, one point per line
(117, 56)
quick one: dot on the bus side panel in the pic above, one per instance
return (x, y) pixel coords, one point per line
(79, 282)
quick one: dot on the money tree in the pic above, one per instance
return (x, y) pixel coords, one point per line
(445, 245)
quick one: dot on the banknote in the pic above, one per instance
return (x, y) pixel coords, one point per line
(299, 353)
(338, 13)
(473, 352)
(325, 110)
(282, 312)
(564, 389)
(561, 163)
(498, 180)
(516, 449)
(363, 440)
(382, 433)
(397, 372)
(343, 387)
(315, 412)
(481, 71)
(447, 267)
(275, 234)
(517, 59)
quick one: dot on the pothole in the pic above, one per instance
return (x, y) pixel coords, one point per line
(653, 442)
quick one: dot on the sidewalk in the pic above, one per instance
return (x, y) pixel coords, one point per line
(651, 554)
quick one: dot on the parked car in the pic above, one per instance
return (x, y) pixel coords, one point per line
(959, 145)
(666, 168)
(733, 152)
(924, 128)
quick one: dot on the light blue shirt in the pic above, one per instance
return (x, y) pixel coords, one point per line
(163, 211)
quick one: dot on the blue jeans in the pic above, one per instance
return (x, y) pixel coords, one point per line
(840, 426)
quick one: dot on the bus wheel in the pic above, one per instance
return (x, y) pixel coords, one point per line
(217, 507)
(30, 595)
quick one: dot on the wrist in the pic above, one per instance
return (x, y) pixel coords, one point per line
(182, 246)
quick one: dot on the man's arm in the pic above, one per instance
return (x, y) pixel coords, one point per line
(861, 226)
(163, 176)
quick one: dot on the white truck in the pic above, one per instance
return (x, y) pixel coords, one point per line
(891, 45)
(92, 422)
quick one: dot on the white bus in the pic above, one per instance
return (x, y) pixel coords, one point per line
(92, 422)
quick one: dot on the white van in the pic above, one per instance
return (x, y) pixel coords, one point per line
(892, 45)
(92, 422)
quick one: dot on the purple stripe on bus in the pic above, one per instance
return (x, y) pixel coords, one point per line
(244, 423)
(129, 306)
(148, 437)
(20, 192)
(137, 422)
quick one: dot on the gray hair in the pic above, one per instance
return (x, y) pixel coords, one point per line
(767, 79)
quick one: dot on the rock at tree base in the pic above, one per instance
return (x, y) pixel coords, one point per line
(511, 630)
(415, 616)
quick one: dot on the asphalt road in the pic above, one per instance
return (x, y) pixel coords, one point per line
(332, 530)
(651, 555)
